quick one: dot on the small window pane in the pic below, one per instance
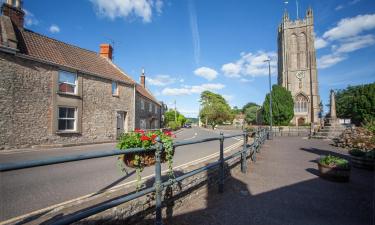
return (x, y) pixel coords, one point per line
(66, 77)
(71, 113)
(114, 88)
(62, 112)
(64, 87)
(70, 125)
(62, 125)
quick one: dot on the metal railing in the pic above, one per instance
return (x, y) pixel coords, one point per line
(259, 135)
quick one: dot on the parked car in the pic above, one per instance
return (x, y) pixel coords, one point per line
(187, 125)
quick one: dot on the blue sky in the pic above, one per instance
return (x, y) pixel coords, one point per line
(188, 46)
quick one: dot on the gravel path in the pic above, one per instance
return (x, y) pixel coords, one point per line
(283, 188)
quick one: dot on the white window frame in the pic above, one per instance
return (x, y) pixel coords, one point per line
(116, 92)
(150, 107)
(67, 118)
(142, 104)
(142, 124)
(74, 84)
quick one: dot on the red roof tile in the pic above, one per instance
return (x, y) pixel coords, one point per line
(144, 92)
(51, 50)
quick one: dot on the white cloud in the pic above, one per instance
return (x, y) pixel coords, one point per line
(342, 6)
(126, 8)
(251, 64)
(339, 7)
(320, 43)
(355, 43)
(228, 97)
(54, 28)
(329, 60)
(160, 80)
(231, 69)
(30, 19)
(350, 27)
(205, 72)
(196, 89)
(346, 37)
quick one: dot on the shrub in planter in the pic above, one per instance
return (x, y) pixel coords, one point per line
(334, 168)
(362, 159)
(146, 140)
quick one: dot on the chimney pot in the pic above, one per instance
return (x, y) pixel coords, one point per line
(13, 9)
(143, 78)
(106, 51)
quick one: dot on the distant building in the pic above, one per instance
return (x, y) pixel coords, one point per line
(147, 108)
(53, 93)
(239, 120)
(297, 70)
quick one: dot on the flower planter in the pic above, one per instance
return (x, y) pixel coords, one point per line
(147, 159)
(362, 162)
(334, 173)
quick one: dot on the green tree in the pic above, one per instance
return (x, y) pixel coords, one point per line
(215, 109)
(250, 111)
(282, 106)
(356, 103)
(173, 119)
(236, 110)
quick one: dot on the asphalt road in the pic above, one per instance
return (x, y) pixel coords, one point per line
(27, 190)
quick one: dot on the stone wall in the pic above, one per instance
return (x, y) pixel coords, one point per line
(29, 102)
(25, 99)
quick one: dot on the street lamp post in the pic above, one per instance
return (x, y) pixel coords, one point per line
(269, 79)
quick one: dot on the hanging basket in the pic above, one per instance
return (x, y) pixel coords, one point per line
(147, 158)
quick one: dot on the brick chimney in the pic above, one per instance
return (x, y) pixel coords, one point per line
(106, 51)
(13, 9)
(143, 78)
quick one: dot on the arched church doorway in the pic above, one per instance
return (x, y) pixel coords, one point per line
(301, 121)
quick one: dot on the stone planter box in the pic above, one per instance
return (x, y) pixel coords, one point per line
(334, 173)
(362, 162)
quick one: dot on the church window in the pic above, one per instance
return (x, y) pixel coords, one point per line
(293, 52)
(302, 49)
(300, 104)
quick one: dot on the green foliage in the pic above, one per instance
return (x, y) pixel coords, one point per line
(282, 106)
(236, 110)
(215, 109)
(174, 121)
(356, 103)
(250, 111)
(173, 125)
(334, 161)
(248, 105)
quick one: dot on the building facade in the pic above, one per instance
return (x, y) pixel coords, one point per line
(147, 108)
(297, 70)
(54, 93)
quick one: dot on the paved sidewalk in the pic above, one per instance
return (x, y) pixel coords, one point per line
(283, 188)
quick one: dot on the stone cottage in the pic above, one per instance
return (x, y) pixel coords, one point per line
(54, 93)
(147, 108)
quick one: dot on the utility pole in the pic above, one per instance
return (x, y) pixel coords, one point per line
(269, 79)
(175, 111)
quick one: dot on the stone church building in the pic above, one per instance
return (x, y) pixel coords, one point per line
(297, 70)
(54, 93)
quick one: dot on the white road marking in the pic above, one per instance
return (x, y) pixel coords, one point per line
(195, 135)
(227, 149)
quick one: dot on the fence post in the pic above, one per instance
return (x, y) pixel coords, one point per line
(221, 172)
(244, 153)
(158, 186)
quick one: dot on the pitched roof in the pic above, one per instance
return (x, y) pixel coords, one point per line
(50, 50)
(146, 93)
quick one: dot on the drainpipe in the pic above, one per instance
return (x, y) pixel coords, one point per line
(134, 105)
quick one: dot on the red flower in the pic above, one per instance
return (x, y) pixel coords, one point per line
(144, 138)
(154, 136)
(168, 133)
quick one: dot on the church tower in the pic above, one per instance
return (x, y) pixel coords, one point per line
(297, 70)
